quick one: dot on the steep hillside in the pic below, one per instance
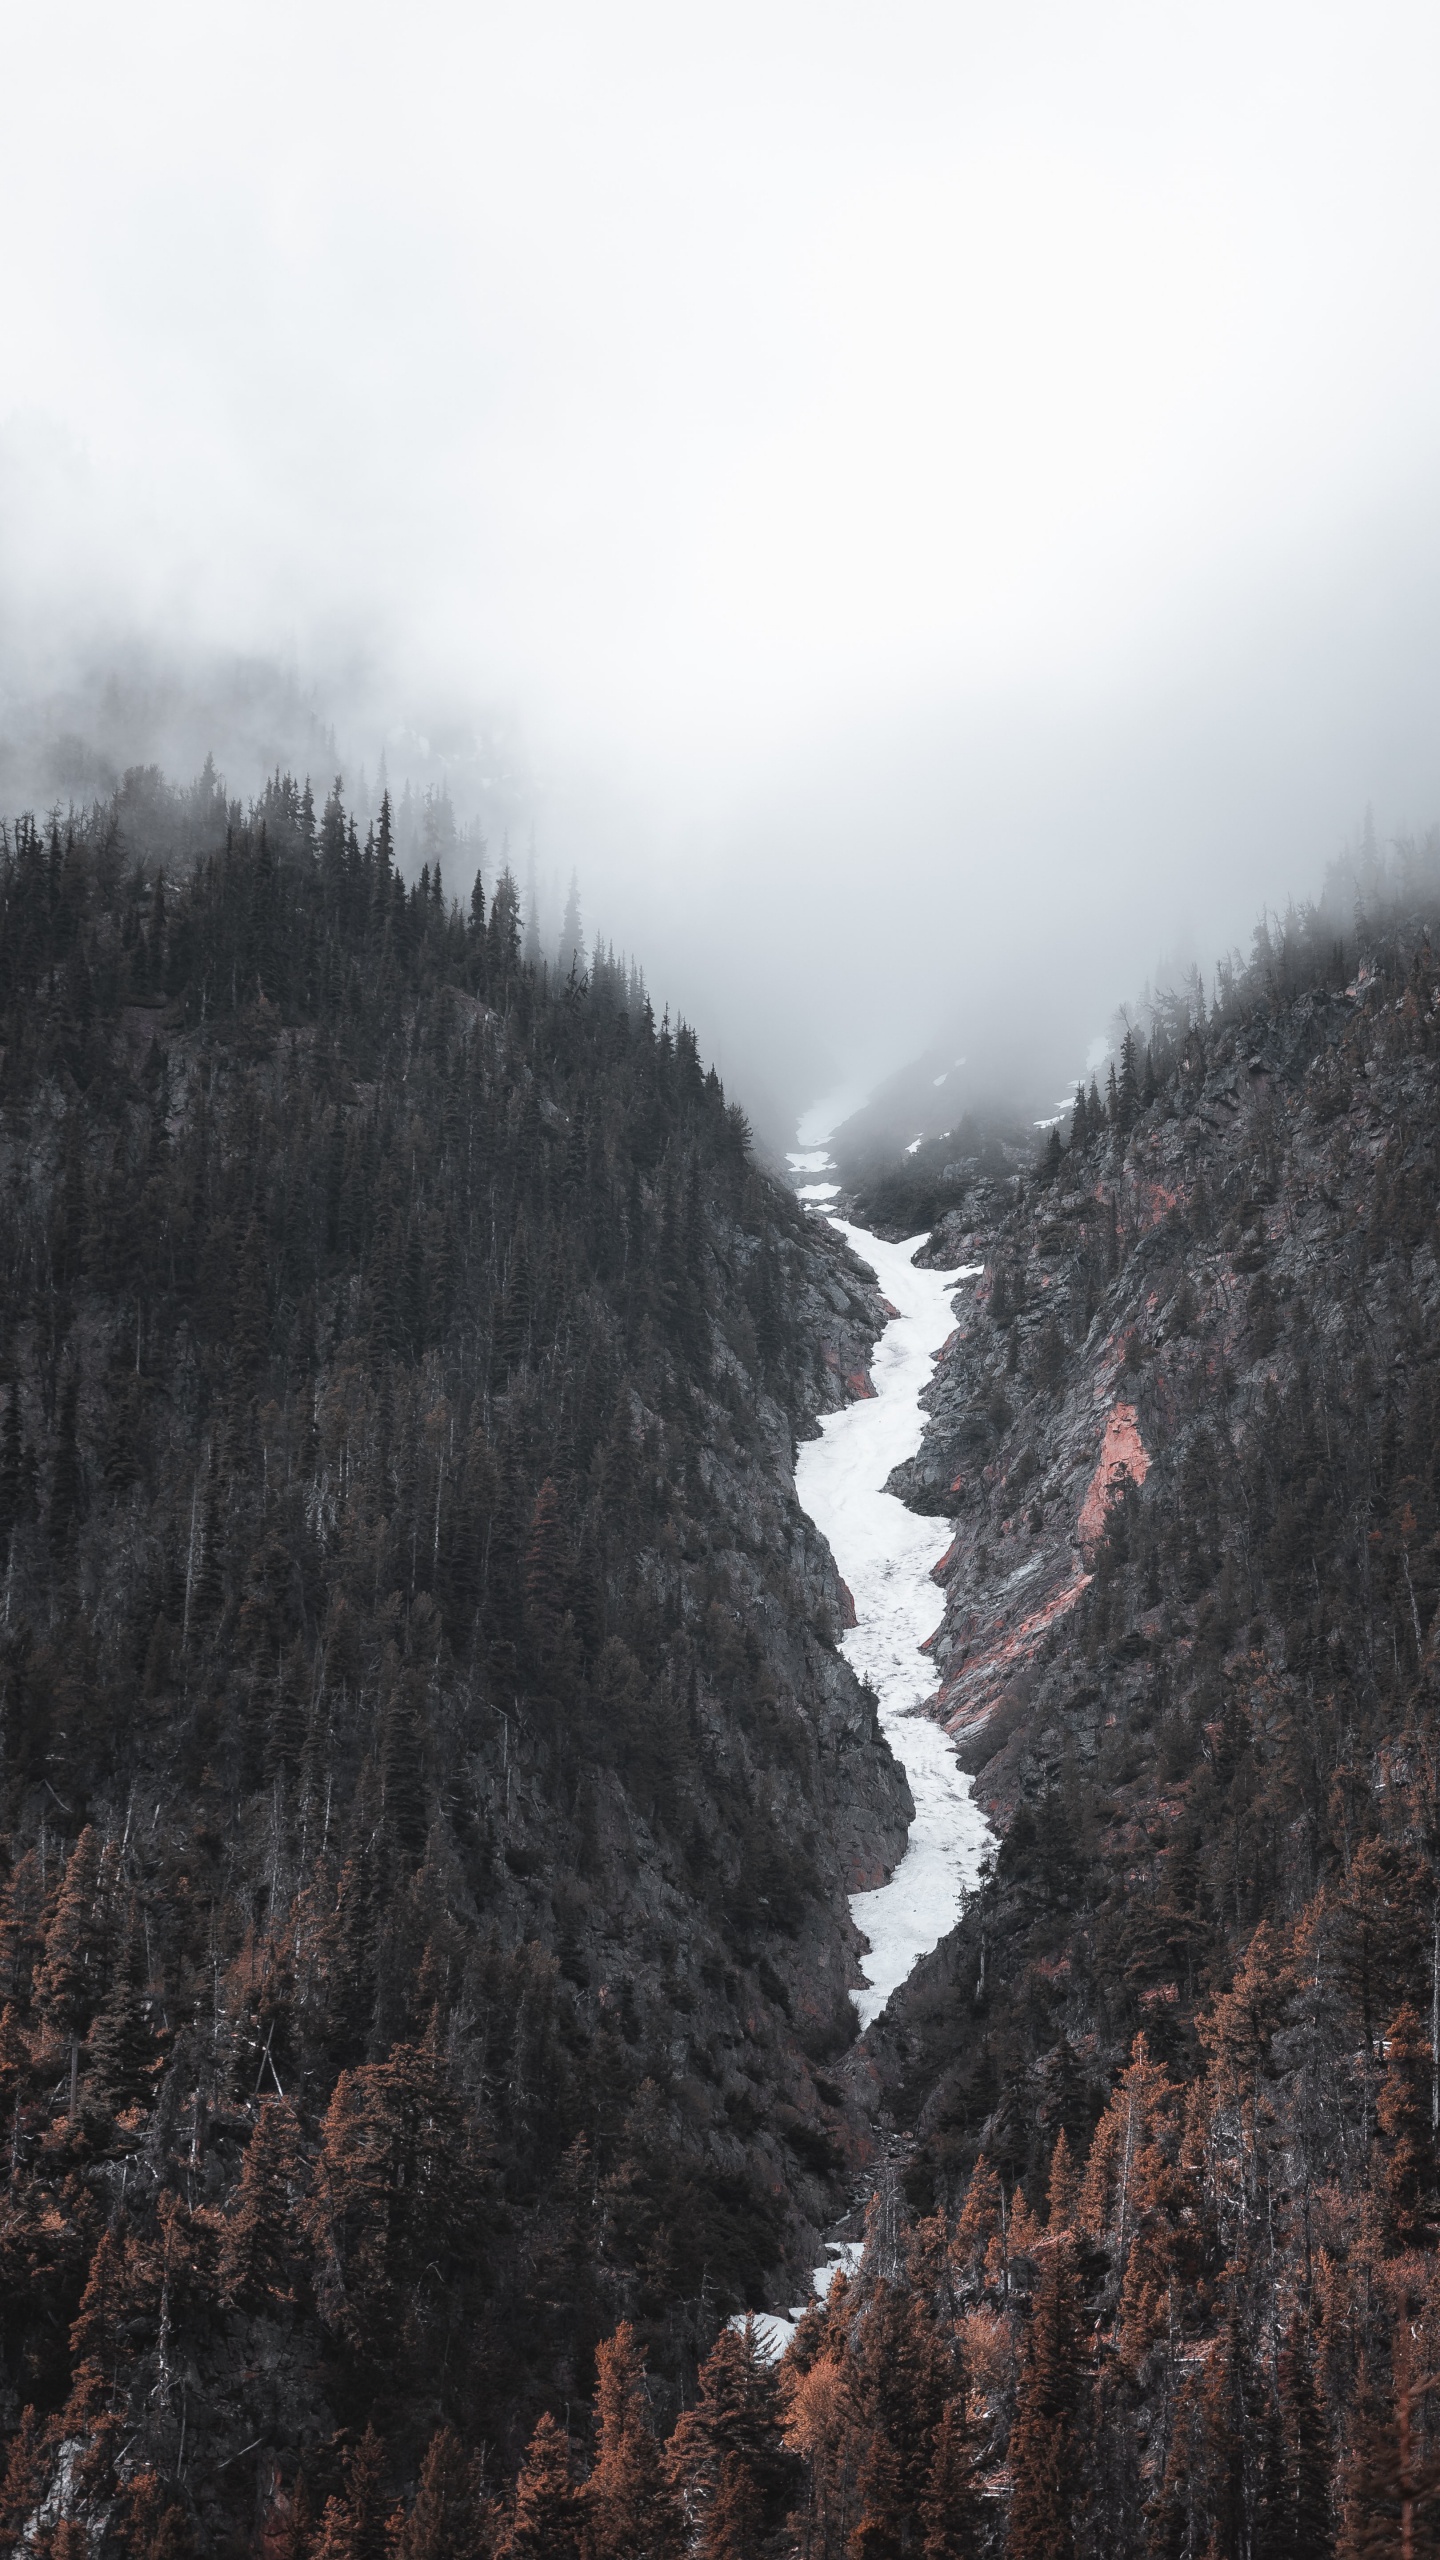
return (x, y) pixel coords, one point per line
(1170, 2090)
(430, 1785)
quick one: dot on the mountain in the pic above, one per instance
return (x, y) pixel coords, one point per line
(430, 1784)
(1167, 2101)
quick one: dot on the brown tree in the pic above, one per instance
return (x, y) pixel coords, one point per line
(1402, 2114)
(356, 2524)
(630, 2511)
(261, 2242)
(950, 2509)
(1044, 2463)
(545, 2523)
(447, 2520)
(904, 2376)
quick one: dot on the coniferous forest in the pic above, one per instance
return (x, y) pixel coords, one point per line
(431, 1785)
(430, 1782)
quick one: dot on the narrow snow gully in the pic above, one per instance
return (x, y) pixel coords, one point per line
(886, 1554)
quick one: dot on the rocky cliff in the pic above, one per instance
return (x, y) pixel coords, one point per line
(1169, 2092)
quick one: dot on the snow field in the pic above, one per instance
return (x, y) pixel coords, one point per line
(885, 1553)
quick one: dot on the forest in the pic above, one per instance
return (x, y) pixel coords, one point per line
(431, 1784)
(430, 1781)
(1170, 2178)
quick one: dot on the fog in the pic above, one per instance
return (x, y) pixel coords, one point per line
(931, 512)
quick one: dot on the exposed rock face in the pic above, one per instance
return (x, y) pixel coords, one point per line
(1181, 1435)
(1083, 1357)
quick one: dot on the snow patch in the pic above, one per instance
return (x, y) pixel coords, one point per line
(845, 2257)
(886, 1554)
(828, 1114)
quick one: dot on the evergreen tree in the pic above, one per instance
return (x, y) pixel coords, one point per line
(1370, 2503)
(732, 2438)
(123, 2048)
(356, 2524)
(260, 2242)
(1307, 2529)
(447, 2521)
(1402, 2112)
(950, 2512)
(546, 2521)
(630, 2513)
(73, 1975)
(1127, 1089)
(1045, 2498)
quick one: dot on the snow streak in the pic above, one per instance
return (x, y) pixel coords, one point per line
(886, 1554)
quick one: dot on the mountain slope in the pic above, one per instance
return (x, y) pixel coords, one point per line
(1170, 2089)
(430, 1783)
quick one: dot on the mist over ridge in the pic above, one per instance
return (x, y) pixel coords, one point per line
(833, 968)
(922, 526)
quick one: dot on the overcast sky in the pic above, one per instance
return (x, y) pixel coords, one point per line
(946, 493)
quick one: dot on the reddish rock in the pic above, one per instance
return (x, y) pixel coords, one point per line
(847, 1603)
(1124, 1459)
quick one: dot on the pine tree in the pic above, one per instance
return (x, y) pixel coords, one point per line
(978, 2223)
(544, 1569)
(630, 2513)
(296, 2535)
(71, 1980)
(26, 2468)
(356, 2524)
(123, 2047)
(736, 2417)
(447, 2521)
(734, 2527)
(950, 2511)
(1233, 2439)
(260, 2242)
(402, 1770)
(1402, 2114)
(1308, 2528)
(1063, 2191)
(1127, 1094)
(547, 2517)
(1370, 2503)
(905, 2377)
(1044, 2447)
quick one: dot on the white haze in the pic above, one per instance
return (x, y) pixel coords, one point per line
(940, 500)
